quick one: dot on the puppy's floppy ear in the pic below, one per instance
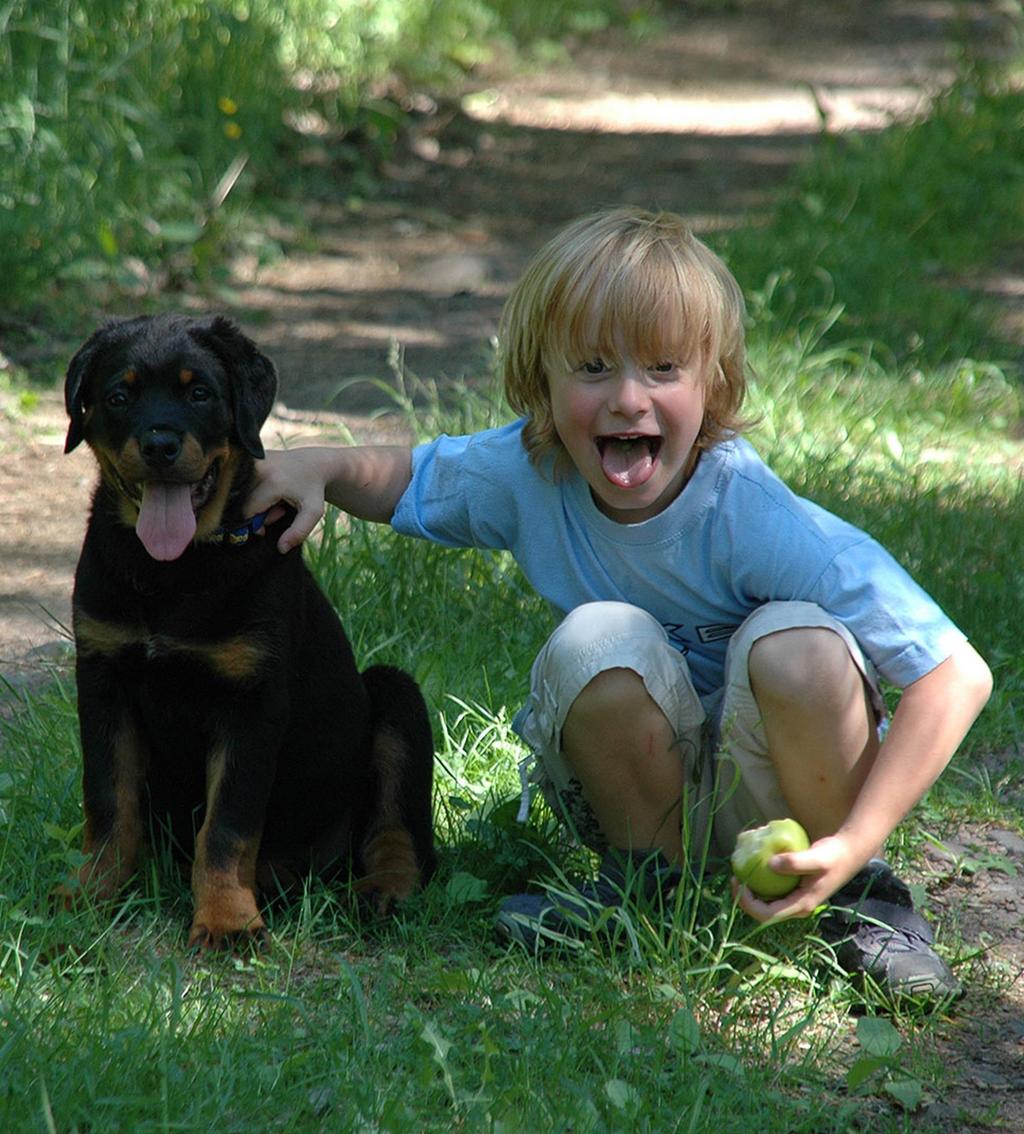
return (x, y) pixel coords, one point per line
(252, 376)
(76, 381)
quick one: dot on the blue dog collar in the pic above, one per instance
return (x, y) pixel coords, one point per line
(243, 534)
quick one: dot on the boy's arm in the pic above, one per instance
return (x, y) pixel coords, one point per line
(933, 716)
(365, 481)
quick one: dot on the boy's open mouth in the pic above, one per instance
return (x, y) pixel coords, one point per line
(628, 460)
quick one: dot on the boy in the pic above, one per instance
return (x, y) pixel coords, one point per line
(716, 662)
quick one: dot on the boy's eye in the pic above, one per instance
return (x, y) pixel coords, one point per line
(662, 367)
(593, 366)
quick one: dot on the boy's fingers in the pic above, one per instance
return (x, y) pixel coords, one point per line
(301, 528)
(802, 902)
(787, 862)
(796, 904)
(756, 907)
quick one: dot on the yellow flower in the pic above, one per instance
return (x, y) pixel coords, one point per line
(232, 129)
(227, 105)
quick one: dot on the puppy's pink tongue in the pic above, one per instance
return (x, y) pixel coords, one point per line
(627, 463)
(166, 521)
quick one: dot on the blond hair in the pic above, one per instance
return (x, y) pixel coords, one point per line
(623, 277)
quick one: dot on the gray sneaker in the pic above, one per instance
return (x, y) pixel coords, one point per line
(564, 919)
(876, 932)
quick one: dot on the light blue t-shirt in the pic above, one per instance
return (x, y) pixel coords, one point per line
(735, 538)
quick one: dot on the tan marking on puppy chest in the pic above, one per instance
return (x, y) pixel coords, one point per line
(94, 636)
(240, 659)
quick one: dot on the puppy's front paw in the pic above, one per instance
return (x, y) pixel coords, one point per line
(227, 919)
(205, 938)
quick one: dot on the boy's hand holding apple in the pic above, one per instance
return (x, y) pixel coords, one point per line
(757, 847)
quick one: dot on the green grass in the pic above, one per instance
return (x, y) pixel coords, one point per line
(427, 1022)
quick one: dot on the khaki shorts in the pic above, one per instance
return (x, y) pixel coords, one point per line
(730, 781)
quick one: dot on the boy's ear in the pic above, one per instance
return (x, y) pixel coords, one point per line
(252, 376)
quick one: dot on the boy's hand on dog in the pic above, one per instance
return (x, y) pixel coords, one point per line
(367, 481)
(291, 477)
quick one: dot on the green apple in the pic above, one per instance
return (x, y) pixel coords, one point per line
(755, 847)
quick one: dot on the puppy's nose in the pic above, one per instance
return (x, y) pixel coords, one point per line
(160, 448)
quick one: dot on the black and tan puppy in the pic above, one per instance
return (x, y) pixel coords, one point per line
(217, 692)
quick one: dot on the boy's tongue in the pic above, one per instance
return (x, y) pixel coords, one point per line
(627, 462)
(166, 521)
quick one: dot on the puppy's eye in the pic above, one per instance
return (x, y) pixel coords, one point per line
(118, 399)
(199, 394)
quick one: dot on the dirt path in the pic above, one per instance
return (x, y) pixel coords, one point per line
(707, 118)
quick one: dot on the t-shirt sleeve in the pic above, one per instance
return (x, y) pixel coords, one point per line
(459, 492)
(900, 627)
(779, 546)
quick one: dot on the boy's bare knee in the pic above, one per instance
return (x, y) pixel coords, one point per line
(615, 709)
(803, 662)
(618, 690)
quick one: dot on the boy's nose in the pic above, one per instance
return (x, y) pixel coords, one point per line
(629, 396)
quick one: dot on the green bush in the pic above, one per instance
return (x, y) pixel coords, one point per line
(890, 227)
(358, 45)
(116, 124)
(123, 125)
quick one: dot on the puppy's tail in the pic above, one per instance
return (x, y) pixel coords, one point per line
(397, 850)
